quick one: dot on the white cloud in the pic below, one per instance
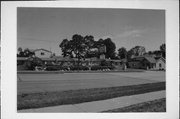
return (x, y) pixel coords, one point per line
(130, 33)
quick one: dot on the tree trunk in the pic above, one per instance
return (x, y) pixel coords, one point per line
(78, 61)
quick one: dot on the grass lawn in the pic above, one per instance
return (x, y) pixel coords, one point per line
(45, 99)
(158, 105)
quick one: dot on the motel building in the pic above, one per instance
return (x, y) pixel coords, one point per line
(138, 62)
(147, 62)
(47, 58)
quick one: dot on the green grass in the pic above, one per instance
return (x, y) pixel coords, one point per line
(150, 106)
(45, 99)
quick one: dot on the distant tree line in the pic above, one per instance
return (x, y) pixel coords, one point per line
(87, 47)
(139, 51)
(24, 53)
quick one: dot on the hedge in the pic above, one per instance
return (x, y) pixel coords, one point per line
(55, 68)
(73, 68)
(102, 67)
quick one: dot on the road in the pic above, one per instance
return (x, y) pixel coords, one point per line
(71, 81)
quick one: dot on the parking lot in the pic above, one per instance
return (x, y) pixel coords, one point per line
(72, 81)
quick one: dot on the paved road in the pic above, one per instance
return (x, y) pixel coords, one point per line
(72, 81)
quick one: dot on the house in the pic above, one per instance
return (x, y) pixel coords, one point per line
(21, 60)
(147, 62)
(42, 53)
(160, 63)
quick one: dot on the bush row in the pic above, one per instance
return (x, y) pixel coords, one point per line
(102, 67)
(55, 68)
(74, 68)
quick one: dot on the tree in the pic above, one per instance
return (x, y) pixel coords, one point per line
(28, 53)
(110, 48)
(20, 49)
(78, 45)
(163, 50)
(89, 41)
(25, 53)
(84, 47)
(150, 53)
(66, 48)
(136, 51)
(20, 52)
(157, 53)
(91, 47)
(33, 62)
(163, 47)
(122, 53)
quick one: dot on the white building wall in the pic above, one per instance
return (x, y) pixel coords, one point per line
(42, 54)
(162, 63)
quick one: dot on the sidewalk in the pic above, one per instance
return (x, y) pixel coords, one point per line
(103, 105)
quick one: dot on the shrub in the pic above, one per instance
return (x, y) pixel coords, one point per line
(102, 67)
(74, 68)
(55, 68)
(32, 62)
(22, 67)
(104, 63)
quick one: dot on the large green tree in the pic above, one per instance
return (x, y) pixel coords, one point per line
(163, 50)
(91, 47)
(136, 51)
(32, 62)
(25, 53)
(122, 53)
(80, 46)
(28, 53)
(20, 52)
(76, 47)
(66, 49)
(110, 48)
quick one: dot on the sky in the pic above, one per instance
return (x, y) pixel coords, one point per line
(47, 27)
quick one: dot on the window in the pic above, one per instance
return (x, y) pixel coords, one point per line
(42, 53)
(160, 65)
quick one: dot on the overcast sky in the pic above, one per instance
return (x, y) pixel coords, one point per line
(47, 27)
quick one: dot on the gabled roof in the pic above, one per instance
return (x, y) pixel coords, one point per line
(43, 50)
(150, 59)
(141, 58)
(158, 58)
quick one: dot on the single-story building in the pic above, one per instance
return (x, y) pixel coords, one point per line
(42, 53)
(160, 63)
(147, 62)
